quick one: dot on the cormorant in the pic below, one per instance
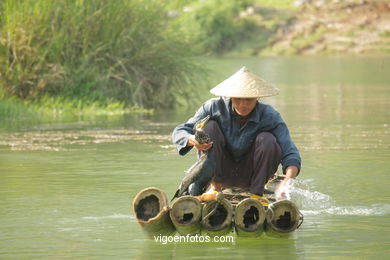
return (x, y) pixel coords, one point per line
(202, 170)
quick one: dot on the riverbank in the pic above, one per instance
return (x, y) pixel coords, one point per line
(347, 27)
(317, 27)
(288, 27)
(12, 108)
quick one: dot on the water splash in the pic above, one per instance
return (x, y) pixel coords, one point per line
(316, 203)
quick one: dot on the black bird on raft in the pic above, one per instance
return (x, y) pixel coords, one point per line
(201, 171)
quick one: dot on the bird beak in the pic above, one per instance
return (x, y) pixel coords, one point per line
(202, 124)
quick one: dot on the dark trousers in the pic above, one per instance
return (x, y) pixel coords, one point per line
(254, 170)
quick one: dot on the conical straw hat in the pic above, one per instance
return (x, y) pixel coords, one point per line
(244, 84)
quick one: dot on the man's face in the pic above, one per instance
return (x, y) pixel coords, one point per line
(244, 106)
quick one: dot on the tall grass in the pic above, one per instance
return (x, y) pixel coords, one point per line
(11, 108)
(93, 50)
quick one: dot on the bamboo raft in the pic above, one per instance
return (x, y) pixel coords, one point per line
(232, 212)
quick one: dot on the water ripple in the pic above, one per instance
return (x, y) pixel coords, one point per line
(57, 140)
(342, 137)
(114, 216)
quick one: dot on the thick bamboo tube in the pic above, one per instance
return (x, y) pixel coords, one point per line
(186, 213)
(282, 217)
(249, 218)
(152, 212)
(217, 217)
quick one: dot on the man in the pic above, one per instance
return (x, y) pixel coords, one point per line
(248, 139)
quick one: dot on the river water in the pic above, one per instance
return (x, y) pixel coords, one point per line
(67, 184)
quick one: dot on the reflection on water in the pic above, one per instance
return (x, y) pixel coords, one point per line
(66, 186)
(239, 249)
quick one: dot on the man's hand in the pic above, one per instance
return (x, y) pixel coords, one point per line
(281, 191)
(200, 147)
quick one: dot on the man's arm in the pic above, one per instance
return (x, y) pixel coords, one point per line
(291, 160)
(290, 153)
(291, 172)
(182, 135)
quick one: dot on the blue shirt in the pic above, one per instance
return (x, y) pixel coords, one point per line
(239, 139)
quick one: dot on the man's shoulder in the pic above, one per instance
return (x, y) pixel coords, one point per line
(216, 107)
(267, 109)
(268, 114)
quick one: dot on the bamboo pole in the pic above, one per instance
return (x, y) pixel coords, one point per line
(217, 217)
(152, 212)
(186, 213)
(249, 218)
(282, 217)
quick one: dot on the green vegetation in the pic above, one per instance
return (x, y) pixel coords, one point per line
(13, 108)
(303, 41)
(70, 55)
(215, 26)
(385, 34)
(102, 52)
(278, 4)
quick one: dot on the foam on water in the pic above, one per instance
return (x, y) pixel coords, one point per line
(316, 203)
(371, 210)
